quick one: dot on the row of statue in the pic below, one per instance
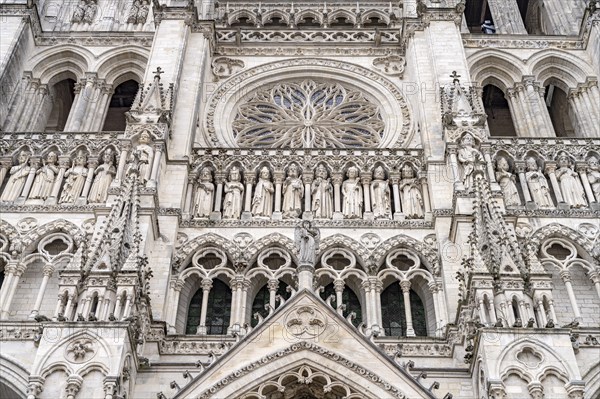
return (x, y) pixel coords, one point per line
(570, 185)
(66, 186)
(321, 193)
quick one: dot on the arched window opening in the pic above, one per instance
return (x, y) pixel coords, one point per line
(276, 22)
(560, 111)
(262, 299)
(497, 109)
(393, 312)
(476, 12)
(63, 94)
(375, 22)
(515, 309)
(217, 313)
(242, 22)
(349, 299)
(341, 22)
(94, 307)
(120, 102)
(309, 22)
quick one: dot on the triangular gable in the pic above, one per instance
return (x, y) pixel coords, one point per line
(306, 330)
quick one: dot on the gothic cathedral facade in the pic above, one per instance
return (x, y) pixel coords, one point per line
(311, 200)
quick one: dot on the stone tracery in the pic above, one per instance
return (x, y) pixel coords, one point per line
(309, 114)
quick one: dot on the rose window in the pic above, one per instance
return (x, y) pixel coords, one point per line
(308, 115)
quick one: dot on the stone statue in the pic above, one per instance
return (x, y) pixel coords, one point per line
(353, 195)
(262, 203)
(45, 178)
(507, 182)
(322, 194)
(104, 175)
(85, 12)
(468, 156)
(307, 242)
(234, 195)
(410, 194)
(538, 185)
(146, 156)
(17, 179)
(293, 192)
(594, 176)
(380, 195)
(204, 194)
(75, 179)
(79, 12)
(570, 185)
(138, 12)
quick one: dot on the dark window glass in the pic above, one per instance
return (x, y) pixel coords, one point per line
(393, 313)
(262, 299)
(218, 310)
(349, 298)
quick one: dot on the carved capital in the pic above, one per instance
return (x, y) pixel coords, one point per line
(339, 285)
(273, 285)
(405, 285)
(207, 284)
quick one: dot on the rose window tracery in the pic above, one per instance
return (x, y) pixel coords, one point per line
(309, 114)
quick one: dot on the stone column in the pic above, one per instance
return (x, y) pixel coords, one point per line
(550, 171)
(307, 179)
(339, 285)
(152, 183)
(35, 387)
(18, 272)
(482, 312)
(73, 386)
(272, 285)
(249, 179)
(578, 110)
(305, 276)
(69, 306)
(551, 310)
(366, 287)
(48, 270)
(395, 181)
(336, 180)
(425, 192)
(38, 100)
(378, 288)
(507, 17)
(534, 96)
(220, 180)
(96, 123)
(517, 113)
(527, 113)
(520, 168)
(452, 151)
(117, 308)
(87, 94)
(566, 278)
(582, 169)
(110, 387)
(595, 278)
(91, 166)
(9, 273)
(127, 308)
(189, 196)
(405, 286)
(365, 179)
(206, 287)
(278, 177)
(27, 109)
(59, 305)
(63, 163)
(121, 166)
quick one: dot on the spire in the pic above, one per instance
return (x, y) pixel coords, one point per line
(493, 242)
(116, 247)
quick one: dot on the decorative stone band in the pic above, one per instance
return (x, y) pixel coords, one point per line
(303, 346)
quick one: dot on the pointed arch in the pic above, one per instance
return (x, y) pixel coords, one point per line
(268, 241)
(340, 240)
(428, 255)
(184, 254)
(61, 225)
(14, 375)
(559, 230)
(496, 67)
(59, 62)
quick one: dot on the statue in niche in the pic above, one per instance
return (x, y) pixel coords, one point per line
(410, 194)
(85, 12)
(146, 156)
(79, 13)
(594, 176)
(262, 203)
(104, 175)
(293, 192)
(234, 195)
(469, 157)
(353, 195)
(307, 242)
(75, 179)
(17, 179)
(204, 194)
(507, 182)
(570, 185)
(538, 185)
(322, 194)
(45, 178)
(380, 195)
